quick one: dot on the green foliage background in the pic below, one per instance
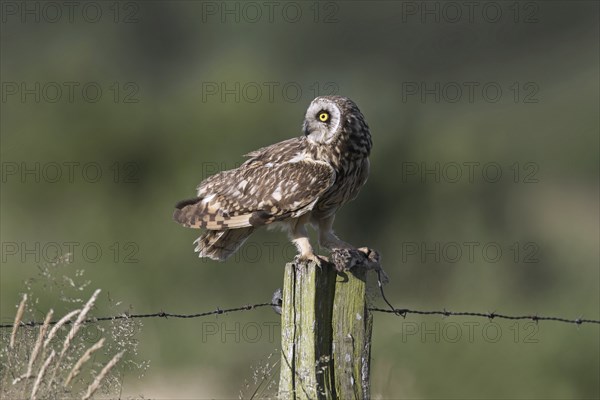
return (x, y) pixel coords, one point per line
(177, 134)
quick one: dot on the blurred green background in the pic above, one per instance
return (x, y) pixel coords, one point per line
(188, 87)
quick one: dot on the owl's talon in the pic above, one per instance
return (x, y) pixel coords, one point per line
(306, 258)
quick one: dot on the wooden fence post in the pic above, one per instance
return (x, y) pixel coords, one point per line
(352, 327)
(325, 333)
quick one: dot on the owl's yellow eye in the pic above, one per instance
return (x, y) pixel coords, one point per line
(323, 116)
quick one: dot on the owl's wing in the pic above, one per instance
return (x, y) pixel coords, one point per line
(255, 195)
(277, 152)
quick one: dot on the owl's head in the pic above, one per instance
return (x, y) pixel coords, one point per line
(328, 117)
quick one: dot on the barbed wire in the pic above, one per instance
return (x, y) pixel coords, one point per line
(402, 312)
(161, 314)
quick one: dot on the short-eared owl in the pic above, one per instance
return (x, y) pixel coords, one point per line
(299, 181)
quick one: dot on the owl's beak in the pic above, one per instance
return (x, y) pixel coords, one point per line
(305, 128)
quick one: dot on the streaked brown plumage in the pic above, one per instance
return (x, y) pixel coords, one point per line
(298, 181)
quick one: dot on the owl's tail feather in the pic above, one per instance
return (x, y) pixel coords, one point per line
(219, 245)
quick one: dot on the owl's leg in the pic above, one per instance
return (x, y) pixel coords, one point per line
(300, 238)
(327, 238)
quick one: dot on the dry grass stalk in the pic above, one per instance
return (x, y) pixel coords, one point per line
(86, 356)
(18, 318)
(38, 342)
(98, 380)
(80, 319)
(36, 348)
(73, 332)
(41, 374)
(58, 325)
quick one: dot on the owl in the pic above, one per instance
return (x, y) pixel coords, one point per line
(294, 183)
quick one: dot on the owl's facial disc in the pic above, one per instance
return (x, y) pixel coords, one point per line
(322, 120)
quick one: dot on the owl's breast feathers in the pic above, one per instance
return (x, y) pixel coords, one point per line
(349, 156)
